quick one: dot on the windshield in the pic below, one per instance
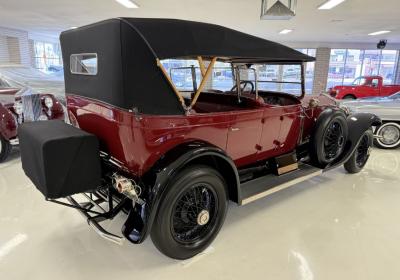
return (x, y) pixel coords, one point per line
(186, 76)
(359, 81)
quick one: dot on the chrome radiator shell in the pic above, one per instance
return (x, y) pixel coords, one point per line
(32, 107)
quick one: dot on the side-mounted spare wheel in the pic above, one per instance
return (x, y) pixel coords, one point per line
(5, 149)
(191, 213)
(329, 137)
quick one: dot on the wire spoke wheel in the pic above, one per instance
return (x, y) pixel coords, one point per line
(333, 140)
(194, 213)
(363, 151)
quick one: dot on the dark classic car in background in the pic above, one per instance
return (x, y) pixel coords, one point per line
(388, 109)
(25, 96)
(172, 161)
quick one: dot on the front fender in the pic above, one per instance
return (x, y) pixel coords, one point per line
(8, 124)
(357, 124)
(141, 217)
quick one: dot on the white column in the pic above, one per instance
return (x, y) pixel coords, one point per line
(321, 70)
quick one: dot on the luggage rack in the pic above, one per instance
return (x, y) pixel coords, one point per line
(115, 203)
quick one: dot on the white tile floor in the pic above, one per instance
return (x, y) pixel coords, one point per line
(336, 226)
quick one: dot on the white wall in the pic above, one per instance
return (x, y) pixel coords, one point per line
(14, 46)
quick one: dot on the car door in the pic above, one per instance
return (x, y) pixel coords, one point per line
(271, 127)
(290, 128)
(244, 135)
(281, 130)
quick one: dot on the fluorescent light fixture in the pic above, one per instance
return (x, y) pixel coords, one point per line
(73, 27)
(330, 4)
(128, 4)
(379, 32)
(285, 31)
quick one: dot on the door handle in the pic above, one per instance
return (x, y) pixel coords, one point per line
(235, 129)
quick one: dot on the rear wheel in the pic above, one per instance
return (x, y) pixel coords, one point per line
(5, 149)
(191, 213)
(389, 136)
(360, 156)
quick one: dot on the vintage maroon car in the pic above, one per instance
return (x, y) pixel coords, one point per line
(18, 105)
(172, 160)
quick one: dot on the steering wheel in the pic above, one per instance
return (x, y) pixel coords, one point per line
(243, 85)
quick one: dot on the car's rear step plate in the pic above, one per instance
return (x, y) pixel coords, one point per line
(269, 184)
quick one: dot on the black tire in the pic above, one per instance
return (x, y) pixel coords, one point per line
(5, 149)
(181, 229)
(359, 158)
(349, 97)
(329, 137)
(394, 141)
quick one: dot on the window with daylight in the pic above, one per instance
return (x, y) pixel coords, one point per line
(47, 57)
(348, 64)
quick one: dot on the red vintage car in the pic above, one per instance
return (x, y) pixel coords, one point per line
(362, 87)
(172, 160)
(20, 104)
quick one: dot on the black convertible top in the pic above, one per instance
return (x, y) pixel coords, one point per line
(127, 49)
(172, 38)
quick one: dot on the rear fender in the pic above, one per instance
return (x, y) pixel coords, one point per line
(141, 217)
(357, 124)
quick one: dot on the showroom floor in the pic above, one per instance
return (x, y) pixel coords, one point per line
(336, 226)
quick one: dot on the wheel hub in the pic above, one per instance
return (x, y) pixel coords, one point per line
(203, 218)
(390, 135)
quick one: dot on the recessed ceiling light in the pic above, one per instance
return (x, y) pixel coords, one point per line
(128, 4)
(285, 31)
(379, 32)
(330, 4)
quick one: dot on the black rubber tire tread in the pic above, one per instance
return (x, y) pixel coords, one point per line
(161, 234)
(316, 143)
(351, 165)
(5, 149)
(349, 97)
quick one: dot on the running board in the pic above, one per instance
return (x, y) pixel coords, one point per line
(271, 183)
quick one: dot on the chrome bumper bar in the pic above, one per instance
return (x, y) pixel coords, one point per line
(14, 142)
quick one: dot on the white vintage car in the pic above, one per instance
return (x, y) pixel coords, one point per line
(388, 109)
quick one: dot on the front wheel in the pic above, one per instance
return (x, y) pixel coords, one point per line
(388, 136)
(361, 154)
(191, 212)
(5, 149)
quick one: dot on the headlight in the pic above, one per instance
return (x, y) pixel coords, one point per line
(346, 109)
(18, 108)
(43, 118)
(48, 101)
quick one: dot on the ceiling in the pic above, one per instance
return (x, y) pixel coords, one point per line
(348, 22)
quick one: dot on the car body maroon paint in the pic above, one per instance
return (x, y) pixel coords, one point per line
(247, 136)
(362, 87)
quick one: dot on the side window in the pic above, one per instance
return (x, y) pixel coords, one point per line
(375, 82)
(83, 64)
